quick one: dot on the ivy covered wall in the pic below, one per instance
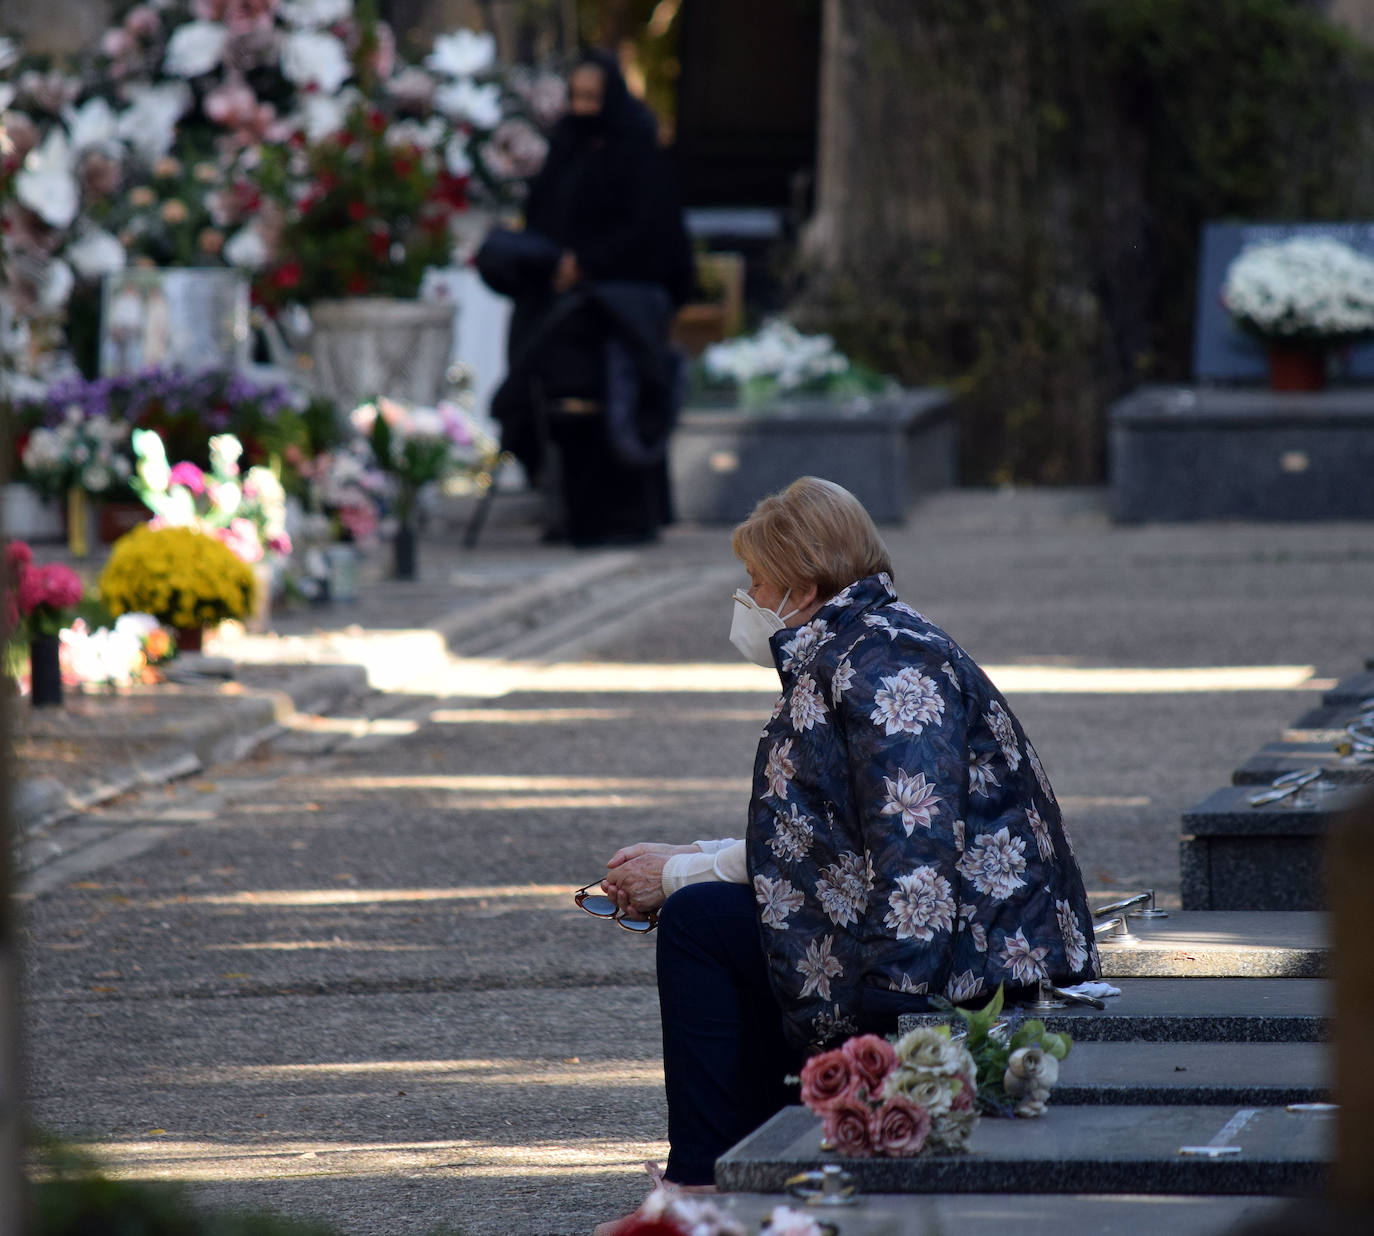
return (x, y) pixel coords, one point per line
(1011, 192)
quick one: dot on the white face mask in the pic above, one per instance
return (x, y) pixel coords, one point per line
(751, 626)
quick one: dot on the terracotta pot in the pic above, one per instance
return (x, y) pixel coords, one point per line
(190, 639)
(1297, 366)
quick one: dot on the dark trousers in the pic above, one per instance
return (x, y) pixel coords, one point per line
(724, 1053)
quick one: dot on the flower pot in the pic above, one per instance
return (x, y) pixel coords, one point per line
(45, 671)
(373, 346)
(403, 547)
(1297, 366)
(190, 639)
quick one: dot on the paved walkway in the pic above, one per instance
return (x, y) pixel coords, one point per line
(342, 975)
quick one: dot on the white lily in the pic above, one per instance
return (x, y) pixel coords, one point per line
(462, 53)
(46, 185)
(314, 58)
(149, 122)
(195, 48)
(480, 106)
(94, 123)
(96, 252)
(316, 14)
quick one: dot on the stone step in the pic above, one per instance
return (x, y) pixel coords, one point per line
(1351, 692)
(1275, 758)
(1225, 1010)
(1236, 856)
(1135, 1150)
(1194, 1074)
(1024, 1214)
(1219, 944)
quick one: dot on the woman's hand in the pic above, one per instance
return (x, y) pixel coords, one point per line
(566, 273)
(625, 853)
(636, 884)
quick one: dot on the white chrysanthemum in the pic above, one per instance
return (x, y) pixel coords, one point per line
(462, 53)
(912, 799)
(1005, 732)
(315, 58)
(994, 863)
(807, 707)
(1044, 843)
(780, 769)
(907, 702)
(1311, 286)
(1075, 942)
(818, 967)
(1026, 964)
(777, 900)
(195, 48)
(921, 905)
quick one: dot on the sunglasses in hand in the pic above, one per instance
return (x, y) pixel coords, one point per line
(598, 905)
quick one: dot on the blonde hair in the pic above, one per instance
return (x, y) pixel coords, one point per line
(813, 531)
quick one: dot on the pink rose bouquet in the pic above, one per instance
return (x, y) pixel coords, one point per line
(896, 1100)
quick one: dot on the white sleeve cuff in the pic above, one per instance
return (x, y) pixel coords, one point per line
(723, 862)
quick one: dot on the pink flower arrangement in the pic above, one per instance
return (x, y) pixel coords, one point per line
(877, 1098)
(41, 594)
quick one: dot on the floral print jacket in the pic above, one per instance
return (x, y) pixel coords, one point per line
(903, 838)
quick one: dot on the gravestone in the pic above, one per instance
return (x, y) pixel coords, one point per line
(1278, 758)
(1237, 856)
(1068, 1150)
(1351, 692)
(1201, 944)
(886, 450)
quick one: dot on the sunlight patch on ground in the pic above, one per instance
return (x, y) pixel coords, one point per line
(551, 716)
(505, 1071)
(492, 784)
(363, 896)
(486, 678)
(306, 946)
(354, 727)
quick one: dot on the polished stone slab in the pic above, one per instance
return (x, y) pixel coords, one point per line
(1227, 812)
(1068, 1150)
(1219, 944)
(1276, 758)
(1021, 1214)
(1193, 1011)
(1241, 1074)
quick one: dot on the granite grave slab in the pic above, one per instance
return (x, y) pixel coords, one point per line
(1184, 453)
(1351, 692)
(1166, 1150)
(1276, 758)
(1237, 856)
(1241, 1074)
(1225, 1010)
(1025, 1214)
(1218, 944)
(886, 450)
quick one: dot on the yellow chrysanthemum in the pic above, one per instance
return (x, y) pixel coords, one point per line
(181, 576)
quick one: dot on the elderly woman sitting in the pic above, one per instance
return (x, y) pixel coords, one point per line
(902, 840)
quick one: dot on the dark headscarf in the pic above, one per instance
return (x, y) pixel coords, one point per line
(607, 191)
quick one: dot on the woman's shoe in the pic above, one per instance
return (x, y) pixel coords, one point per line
(627, 1222)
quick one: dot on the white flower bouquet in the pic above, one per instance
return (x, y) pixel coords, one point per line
(90, 453)
(1306, 288)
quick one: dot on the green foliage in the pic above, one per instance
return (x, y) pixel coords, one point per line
(1065, 154)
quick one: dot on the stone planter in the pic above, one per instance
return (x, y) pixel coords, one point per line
(373, 346)
(887, 451)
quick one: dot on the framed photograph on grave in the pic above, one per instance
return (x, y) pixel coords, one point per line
(174, 317)
(1222, 352)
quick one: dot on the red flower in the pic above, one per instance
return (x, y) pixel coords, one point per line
(357, 285)
(403, 165)
(376, 121)
(826, 1079)
(899, 1127)
(873, 1059)
(380, 244)
(357, 211)
(288, 274)
(18, 555)
(847, 1127)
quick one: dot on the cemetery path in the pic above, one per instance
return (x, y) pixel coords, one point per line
(345, 978)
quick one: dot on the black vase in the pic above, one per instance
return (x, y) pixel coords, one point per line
(45, 671)
(404, 547)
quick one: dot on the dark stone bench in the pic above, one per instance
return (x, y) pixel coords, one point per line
(1186, 453)
(887, 451)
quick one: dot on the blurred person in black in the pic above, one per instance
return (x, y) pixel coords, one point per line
(603, 263)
